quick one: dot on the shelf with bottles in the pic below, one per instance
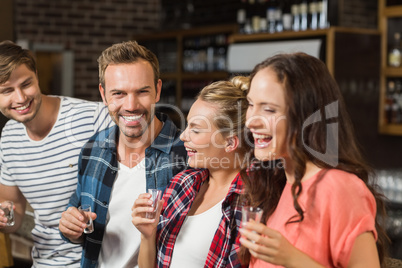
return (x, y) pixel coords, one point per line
(390, 24)
(205, 53)
(391, 106)
(393, 101)
(273, 16)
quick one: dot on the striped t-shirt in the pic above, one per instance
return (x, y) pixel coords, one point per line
(46, 173)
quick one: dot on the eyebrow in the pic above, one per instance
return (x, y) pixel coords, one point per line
(138, 89)
(194, 124)
(265, 103)
(29, 79)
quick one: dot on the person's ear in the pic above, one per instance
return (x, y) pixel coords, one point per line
(232, 143)
(158, 90)
(102, 92)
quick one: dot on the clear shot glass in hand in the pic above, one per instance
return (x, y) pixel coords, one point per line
(8, 209)
(156, 195)
(250, 213)
(86, 209)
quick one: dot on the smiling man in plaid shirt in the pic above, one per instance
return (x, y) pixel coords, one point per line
(141, 152)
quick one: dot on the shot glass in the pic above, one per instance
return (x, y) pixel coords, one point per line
(8, 209)
(156, 196)
(86, 210)
(250, 213)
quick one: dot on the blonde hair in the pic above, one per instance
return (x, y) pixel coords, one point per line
(230, 98)
(126, 52)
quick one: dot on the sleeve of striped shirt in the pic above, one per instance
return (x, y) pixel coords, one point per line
(102, 119)
(4, 170)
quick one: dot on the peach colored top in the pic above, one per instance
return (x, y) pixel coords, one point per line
(337, 209)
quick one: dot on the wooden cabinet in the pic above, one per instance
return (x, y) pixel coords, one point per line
(189, 60)
(347, 52)
(390, 112)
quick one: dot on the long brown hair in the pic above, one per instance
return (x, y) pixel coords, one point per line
(311, 90)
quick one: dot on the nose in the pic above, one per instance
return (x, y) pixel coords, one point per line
(253, 119)
(130, 103)
(184, 135)
(20, 96)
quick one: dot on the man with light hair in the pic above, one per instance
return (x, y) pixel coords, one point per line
(143, 151)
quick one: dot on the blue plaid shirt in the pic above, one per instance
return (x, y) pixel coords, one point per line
(97, 170)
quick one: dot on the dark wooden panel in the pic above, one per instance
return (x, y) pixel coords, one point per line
(6, 20)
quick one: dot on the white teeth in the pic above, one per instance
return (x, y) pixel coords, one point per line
(22, 107)
(191, 150)
(259, 136)
(132, 117)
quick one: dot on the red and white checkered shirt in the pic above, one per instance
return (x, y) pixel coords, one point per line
(179, 196)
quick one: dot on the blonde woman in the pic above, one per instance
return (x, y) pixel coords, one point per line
(201, 212)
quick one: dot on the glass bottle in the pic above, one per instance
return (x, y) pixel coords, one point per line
(303, 9)
(322, 9)
(313, 14)
(296, 15)
(241, 16)
(394, 56)
(287, 16)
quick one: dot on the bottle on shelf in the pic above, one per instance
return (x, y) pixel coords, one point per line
(389, 101)
(249, 7)
(278, 15)
(303, 9)
(394, 55)
(313, 14)
(287, 16)
(262, 6)
(255, 16)
(296, 15)
(398, 101)
(271, 16)
(322, 10)
(242, 16)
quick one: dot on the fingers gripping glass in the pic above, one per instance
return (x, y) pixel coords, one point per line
(8, 209)
(86, 210)
(156, 196)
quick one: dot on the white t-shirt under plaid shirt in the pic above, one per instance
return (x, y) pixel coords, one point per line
(45, 171)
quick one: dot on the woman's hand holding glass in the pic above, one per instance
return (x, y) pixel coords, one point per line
(141, 210)
(270, 245)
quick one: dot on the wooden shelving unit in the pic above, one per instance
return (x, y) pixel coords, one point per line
(385, 15)
(331, 37)
(348, 52)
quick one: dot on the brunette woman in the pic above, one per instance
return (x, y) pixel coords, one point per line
(312, 182)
